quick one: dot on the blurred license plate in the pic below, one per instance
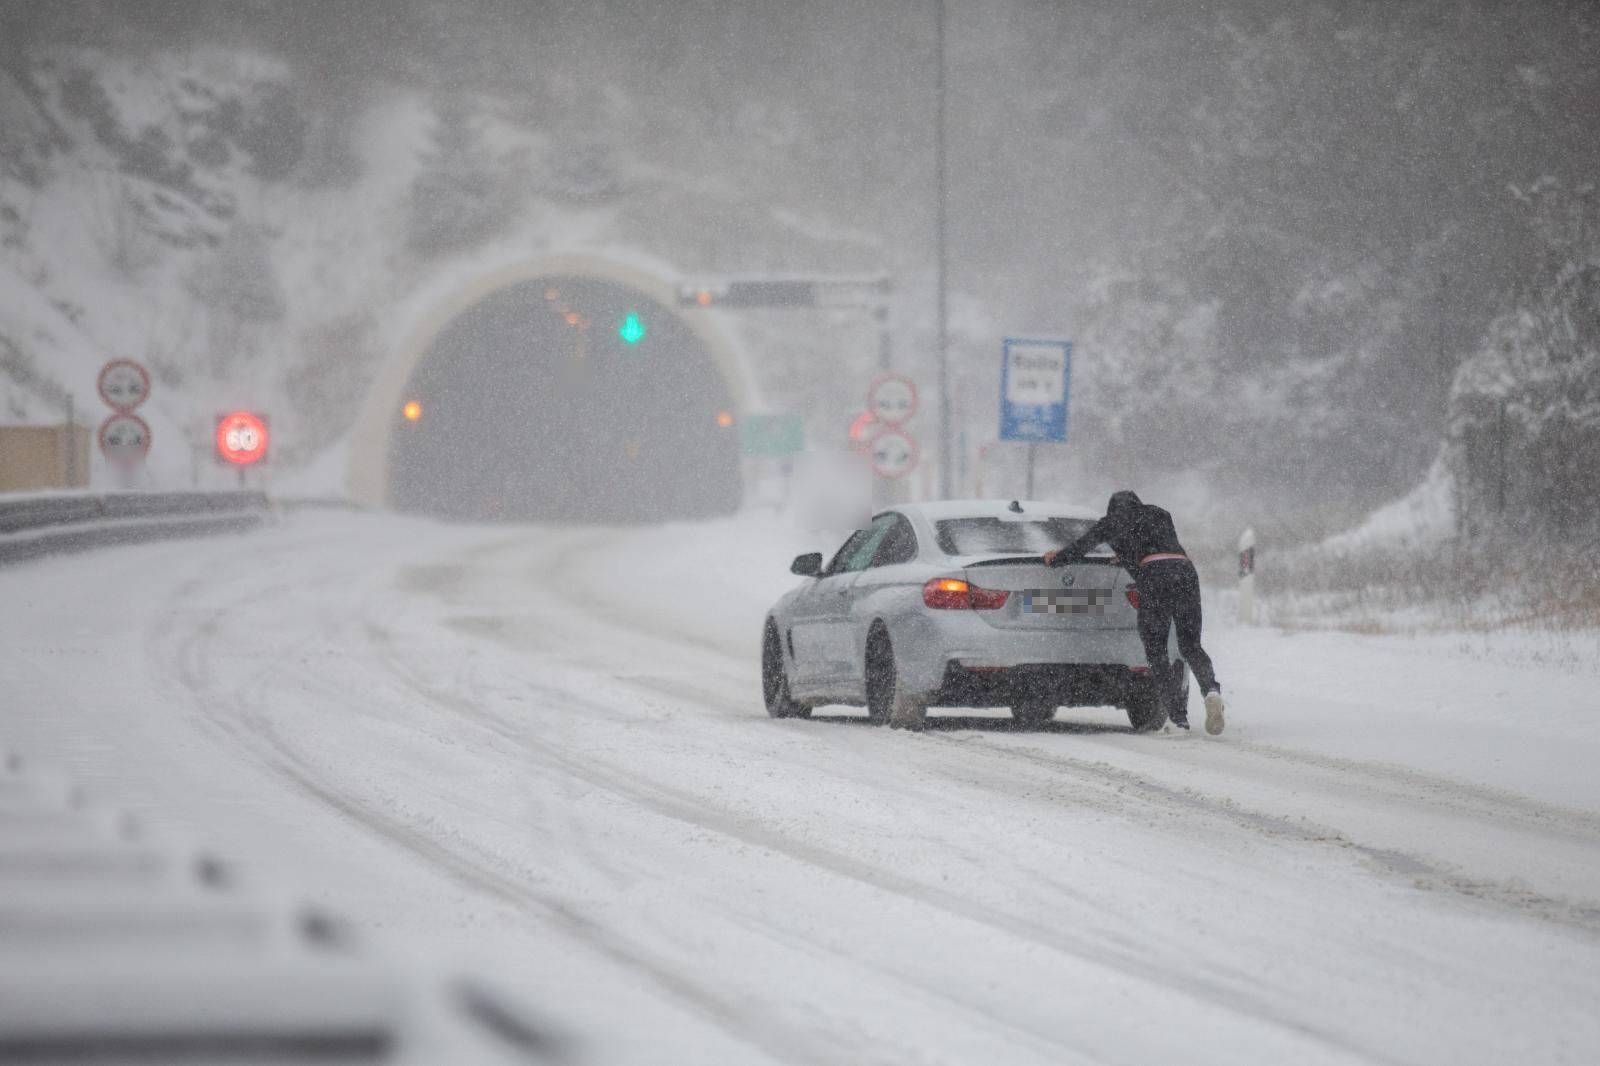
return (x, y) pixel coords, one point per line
(1068, 601)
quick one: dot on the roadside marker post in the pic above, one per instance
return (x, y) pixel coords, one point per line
(1247, 577)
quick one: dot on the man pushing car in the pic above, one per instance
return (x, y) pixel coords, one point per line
(1146, 544)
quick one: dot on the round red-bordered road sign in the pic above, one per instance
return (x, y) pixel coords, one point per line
(894, 453)
(242, 438)
(124, 439)
(892, 399)
(123, 384)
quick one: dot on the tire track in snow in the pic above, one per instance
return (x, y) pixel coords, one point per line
(694, 810)
(1420, 872)
(252, 733)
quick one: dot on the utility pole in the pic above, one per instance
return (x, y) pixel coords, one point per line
(1445, 376)
(946, 460)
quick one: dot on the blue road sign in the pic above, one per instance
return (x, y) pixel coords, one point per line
(1035, 376)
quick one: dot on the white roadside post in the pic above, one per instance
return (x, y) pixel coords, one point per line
(1247, 577)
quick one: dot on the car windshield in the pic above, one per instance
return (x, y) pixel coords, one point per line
(998, 536)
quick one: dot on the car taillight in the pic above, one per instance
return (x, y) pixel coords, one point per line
(954, 594)
(987, 599)
(1133, 596)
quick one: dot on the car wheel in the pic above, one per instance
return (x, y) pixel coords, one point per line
(887, 700)
(1033, 713)
(775, 679)
(1146, 711)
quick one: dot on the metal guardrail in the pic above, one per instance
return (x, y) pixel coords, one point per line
(31, 526)
(119, 948)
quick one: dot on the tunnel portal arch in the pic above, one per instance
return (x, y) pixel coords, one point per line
(676, 453)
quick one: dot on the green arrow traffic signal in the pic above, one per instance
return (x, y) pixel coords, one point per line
(632, 330)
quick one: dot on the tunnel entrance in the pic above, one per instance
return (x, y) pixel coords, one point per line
(566, 399)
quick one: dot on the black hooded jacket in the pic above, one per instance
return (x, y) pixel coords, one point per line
(1134, 529)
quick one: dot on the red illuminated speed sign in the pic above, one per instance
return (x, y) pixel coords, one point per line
(241, 438)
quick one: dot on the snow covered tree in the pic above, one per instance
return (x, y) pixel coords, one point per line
(1525, 411)
(459, 196)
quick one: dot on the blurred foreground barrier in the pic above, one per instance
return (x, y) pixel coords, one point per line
(116, 949)
(37, 525)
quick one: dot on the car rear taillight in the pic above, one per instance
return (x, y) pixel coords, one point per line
(954, 594)
(987, 599)
(1133, 596)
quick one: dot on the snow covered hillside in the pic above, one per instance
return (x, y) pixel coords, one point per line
(182, 207)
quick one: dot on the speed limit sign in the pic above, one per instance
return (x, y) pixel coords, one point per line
(893, 453)
(242, 438)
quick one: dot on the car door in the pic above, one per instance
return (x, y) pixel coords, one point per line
(811, 612)
(875, 593)
(825, 638)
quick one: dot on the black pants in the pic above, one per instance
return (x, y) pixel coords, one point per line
(1169, 594)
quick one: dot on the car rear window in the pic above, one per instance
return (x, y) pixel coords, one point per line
(984, 536)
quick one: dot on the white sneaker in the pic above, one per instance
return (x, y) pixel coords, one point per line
(1214, 712)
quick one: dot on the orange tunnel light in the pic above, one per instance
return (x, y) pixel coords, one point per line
(412, 410)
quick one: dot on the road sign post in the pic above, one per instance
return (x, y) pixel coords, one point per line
(891, 403)
(124, 437)
(1035, 383)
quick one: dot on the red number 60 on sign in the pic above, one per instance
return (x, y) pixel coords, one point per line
(242, 438)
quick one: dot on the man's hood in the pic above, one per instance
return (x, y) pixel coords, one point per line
(1122, 501)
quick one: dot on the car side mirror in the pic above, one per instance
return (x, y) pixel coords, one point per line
(808, 565)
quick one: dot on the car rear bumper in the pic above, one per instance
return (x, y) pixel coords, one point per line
(1060, 684)
(933, 641)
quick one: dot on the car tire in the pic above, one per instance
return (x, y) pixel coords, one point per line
(775, 679)
(887, 699)
(1146, 711)
(1033, 713)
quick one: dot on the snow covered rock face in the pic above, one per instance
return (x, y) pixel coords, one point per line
(170, 140)
(143, 213)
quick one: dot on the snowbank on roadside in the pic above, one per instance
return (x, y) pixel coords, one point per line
(1425, 515)
(727, 573)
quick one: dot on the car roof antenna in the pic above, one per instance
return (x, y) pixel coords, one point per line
(1016, 507)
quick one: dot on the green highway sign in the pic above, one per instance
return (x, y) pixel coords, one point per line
(773, 436)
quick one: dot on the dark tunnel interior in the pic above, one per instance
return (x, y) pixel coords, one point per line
(567, 400)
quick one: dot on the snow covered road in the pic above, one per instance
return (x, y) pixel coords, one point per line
(543, 752)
